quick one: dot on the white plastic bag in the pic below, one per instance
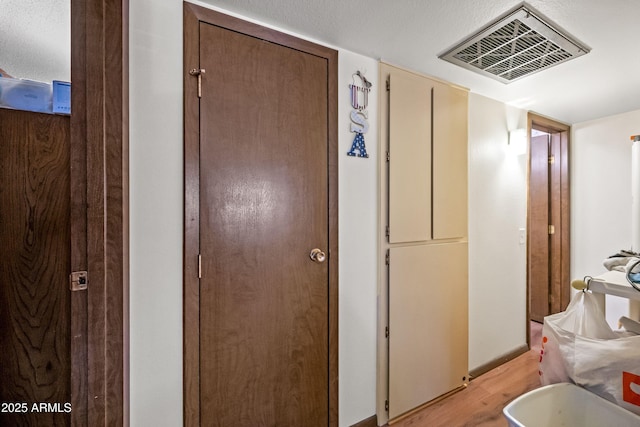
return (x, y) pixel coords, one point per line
(610, 369)
(578, 346)
(582, 317)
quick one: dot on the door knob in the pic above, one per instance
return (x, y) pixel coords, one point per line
(317, 255)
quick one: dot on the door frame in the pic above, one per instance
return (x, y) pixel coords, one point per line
(560, 292)
(100, 212)
(193, 15)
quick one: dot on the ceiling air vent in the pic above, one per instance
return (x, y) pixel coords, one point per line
(518, 44)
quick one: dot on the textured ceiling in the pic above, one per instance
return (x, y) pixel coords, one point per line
(34, 40)
(412, 33)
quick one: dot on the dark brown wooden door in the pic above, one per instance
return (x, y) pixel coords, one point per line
(539, 272)
(548, 261)
(35, 366)
(264, 206)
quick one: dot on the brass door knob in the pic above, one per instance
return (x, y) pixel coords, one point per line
(317, 255)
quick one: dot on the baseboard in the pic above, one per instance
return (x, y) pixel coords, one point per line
(475, 373)
(369, 422)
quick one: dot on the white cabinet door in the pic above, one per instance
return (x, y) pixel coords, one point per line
(428, 323)
(410, 154)
(450, 106)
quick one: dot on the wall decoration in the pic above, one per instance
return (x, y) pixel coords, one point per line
(359, 115)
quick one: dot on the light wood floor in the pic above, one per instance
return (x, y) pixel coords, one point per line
(481, 403)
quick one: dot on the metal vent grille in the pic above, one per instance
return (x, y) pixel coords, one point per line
(516, 45)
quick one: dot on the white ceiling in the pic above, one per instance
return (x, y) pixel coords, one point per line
(412, 33)
(34, 40)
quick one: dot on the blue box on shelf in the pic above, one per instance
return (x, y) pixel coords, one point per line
(22, 94)
(61, 97)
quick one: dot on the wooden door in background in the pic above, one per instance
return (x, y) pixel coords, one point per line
(539, 272)
(35, 308)
(548, 218)
(266, 308)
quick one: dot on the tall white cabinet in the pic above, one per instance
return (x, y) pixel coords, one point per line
(423, 298)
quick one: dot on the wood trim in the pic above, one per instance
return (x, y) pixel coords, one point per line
(332, 105)
(78, 183)
(528, 222)
(99, 141)
(483, 369)
(546, 124)
(191, 289)
(556, 202)
(193, 14)
(555, 248)
(536, 121)
(565, 220)
(372, 421)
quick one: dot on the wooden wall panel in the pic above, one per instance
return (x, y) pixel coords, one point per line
(78, 238)
(450, 111)
(421, 287)
(428, 323)
(410, 150)
(99, 239)
(34, 258)
(95, 234)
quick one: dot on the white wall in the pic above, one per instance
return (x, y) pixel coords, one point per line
(156, 183)
(601, 196)
(497, 206)
(497, 212)
(156, 168)
(358, 203)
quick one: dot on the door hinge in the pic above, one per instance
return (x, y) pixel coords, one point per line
(199, 266)
(387, 232)
(198, 72)
(388, 85)
(552, 159)
(386, 332)
(386, 405)
(388, 156)
(552, 229)
(78, 280)
(387, 258)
